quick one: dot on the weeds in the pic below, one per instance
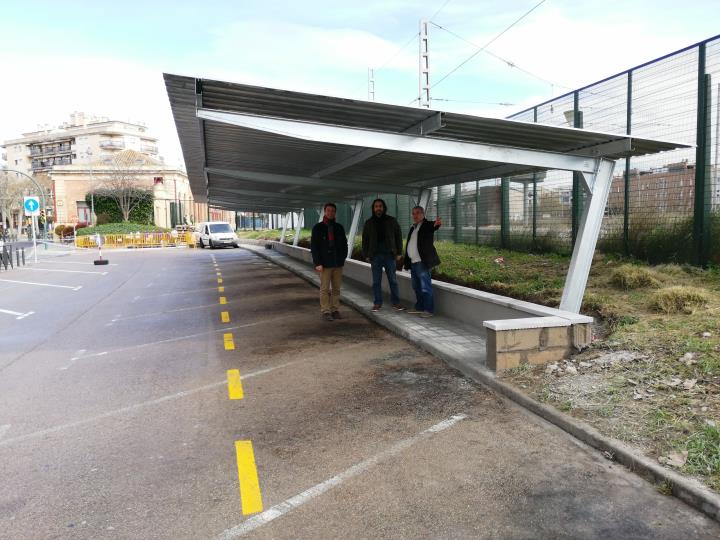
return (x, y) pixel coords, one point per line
(679, 299)
(630, 276)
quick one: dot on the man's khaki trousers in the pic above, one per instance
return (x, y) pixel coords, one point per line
(330, 278)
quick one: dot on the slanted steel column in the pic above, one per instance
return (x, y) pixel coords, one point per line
(298, 228)
(357, 212)
(424, 199)
(597, 188)
(284, 227)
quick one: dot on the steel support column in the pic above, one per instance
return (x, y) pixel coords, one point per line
(597, 188)
(298, 228)
(284, 227)
(424, 199)
(357, 213)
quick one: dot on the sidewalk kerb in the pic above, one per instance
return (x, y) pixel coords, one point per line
(688, 490)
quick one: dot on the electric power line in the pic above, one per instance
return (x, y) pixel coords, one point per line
(439, 10)
(510, 63)
(500, 103)
(473, 55)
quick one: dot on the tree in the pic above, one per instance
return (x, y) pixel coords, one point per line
(12, 190)
(123, 182)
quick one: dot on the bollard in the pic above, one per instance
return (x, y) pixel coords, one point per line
(17, 256)
(23, 255)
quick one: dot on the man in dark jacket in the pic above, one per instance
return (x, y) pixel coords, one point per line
(329, 249)
(420, 258)
(382, 247)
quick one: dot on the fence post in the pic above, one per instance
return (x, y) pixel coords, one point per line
(504, 211)
(701, 221)
(626, 195)
(477, 212)
(457, 211)
(535, 204)
(577, 191)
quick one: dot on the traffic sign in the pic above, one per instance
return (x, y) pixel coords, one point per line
(32, 206)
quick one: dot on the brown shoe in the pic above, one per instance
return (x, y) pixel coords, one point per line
(399, 307)
(336, 315)
(327, 316)
(376, 307)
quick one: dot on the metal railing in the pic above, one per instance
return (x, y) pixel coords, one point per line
(136, 240)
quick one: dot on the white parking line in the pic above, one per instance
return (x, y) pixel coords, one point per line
(75, 262)
(298, 500)
(131, 408)
(74, 288)
(64, 271)
(17, 314)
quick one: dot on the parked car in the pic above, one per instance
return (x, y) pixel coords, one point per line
(215, 234)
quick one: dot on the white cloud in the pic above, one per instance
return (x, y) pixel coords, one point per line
(47, 88)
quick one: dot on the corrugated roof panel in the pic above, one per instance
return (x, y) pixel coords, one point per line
(223, 146)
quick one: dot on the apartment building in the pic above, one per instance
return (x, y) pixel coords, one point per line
(77, 157)
(83, 139)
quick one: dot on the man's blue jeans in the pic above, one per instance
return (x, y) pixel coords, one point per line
(422, 284)
(378, 264)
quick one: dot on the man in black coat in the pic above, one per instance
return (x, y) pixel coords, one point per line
(329, 249)
(420, 258)
(382, 248)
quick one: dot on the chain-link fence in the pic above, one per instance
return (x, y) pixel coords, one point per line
(662, 207)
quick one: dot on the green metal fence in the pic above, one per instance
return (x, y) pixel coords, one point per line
(663, 207)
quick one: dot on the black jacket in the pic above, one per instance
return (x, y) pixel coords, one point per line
(393, 237)
(325, 254)
(425, 245)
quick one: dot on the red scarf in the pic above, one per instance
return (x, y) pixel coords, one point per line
(331, 230)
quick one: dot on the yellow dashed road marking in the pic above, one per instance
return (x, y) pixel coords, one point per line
(219, 280)
(235, 389)
(219, 274)
(229, 343)
(225, 316)
(223, 300)
(221, 289)
(247, 475)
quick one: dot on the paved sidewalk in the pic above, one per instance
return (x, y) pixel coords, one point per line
(458, 344)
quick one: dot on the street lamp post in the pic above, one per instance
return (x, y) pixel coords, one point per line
(89, 153)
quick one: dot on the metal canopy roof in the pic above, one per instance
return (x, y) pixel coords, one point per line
(264, 149)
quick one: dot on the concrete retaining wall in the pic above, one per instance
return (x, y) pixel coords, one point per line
(517, 332)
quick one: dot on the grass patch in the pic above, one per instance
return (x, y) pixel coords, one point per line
(126, 227)
(630, 276)
(703, 448)
(679, 299)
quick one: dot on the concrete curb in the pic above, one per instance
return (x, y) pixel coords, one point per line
(688, 490)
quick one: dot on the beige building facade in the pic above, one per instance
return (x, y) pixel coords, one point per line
(81, 156)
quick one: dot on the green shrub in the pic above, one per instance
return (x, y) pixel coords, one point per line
(144, 212)
(126, 227)
(678, 299)
(102, 219)
(628, 276)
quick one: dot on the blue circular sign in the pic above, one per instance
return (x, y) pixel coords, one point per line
(31, 205)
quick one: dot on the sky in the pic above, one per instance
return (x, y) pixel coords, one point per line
(107, 57)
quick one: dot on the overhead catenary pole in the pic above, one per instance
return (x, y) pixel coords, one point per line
(424, 65)
(371, 84)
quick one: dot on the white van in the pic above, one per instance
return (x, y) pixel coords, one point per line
(215, 234)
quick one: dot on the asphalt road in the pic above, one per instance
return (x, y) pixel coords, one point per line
(116, 420)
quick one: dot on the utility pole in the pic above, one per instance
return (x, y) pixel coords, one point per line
(371, 84)
(424, 66)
